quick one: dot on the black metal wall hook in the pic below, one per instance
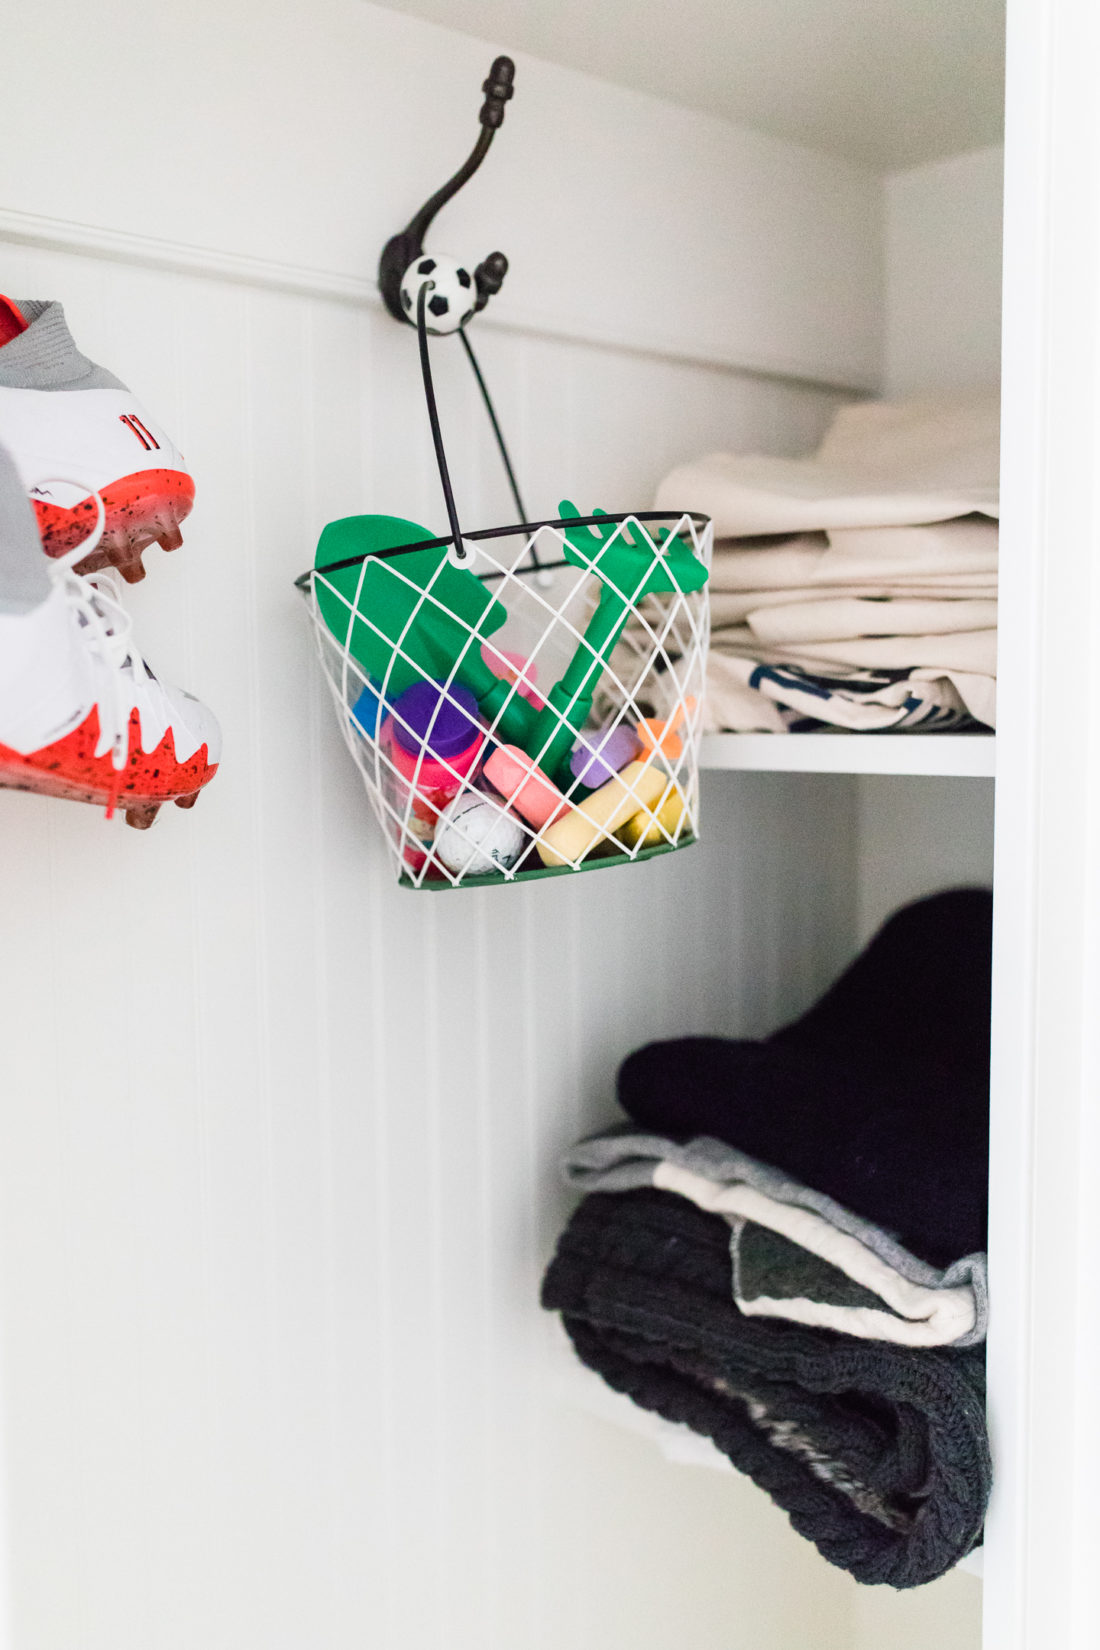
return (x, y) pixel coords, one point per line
(401, 250)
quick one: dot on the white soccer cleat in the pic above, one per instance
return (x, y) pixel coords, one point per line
(81, 713)
(60, 414)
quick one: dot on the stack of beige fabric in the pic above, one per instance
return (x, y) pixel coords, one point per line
(858, 588)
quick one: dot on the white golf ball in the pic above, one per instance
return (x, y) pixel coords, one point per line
(476, 836)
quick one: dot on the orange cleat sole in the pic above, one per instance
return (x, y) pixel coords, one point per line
(141, 509)
(70, 769)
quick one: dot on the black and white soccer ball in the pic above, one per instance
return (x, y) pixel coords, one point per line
(452, 295)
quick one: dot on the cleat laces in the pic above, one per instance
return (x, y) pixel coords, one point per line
(105, 625)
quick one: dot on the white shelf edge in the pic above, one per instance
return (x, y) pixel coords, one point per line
(958, 755)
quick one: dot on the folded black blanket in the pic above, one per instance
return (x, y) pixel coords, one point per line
(879, 1096)
(877, 1453)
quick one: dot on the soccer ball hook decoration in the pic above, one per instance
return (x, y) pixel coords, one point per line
(458, 293)
(451, 296)
(437, 294)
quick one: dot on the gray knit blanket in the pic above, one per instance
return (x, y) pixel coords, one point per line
(878, 1453)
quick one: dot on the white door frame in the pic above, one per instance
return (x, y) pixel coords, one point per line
(1042, 1587)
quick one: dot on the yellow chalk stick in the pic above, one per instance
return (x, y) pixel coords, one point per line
(648, 828)
(637, 787)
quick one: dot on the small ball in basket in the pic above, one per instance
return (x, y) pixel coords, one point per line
(452, 296)
(476, 836)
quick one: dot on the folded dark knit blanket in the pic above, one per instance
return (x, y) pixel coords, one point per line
(878, 1454)
(878, 1097)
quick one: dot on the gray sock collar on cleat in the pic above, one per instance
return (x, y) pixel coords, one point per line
(45, 356)
(24, 575)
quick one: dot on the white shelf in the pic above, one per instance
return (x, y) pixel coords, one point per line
(965, 755)
(581, 1388)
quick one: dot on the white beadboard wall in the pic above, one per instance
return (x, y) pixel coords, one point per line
(277, 1139)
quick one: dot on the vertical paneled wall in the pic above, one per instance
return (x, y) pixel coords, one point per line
(918, 835)
(277, 1139)
(943, 274)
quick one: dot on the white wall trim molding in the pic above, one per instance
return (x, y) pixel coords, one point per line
(94, 240)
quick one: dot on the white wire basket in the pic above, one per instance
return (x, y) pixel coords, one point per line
(527, 704)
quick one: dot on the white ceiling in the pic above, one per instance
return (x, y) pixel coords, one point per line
(889, 83)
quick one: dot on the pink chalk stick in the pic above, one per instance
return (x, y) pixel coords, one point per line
(523, 785)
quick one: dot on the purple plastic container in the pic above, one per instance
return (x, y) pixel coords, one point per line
(603, 755)
(441, 723)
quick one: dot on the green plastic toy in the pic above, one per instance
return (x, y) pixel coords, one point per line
(398, 634)
(626, 572)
